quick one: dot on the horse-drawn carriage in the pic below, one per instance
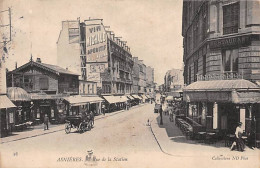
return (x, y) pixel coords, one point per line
(81, 122)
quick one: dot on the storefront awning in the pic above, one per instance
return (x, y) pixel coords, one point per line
(17, 94)
(235, 91)
(137, 97)
(221, 85)
(5, 102)
(115, 99)
(130, 97)
(144, 97)
(245, 97)
(147, 96)
(82, 100)
(123, 98)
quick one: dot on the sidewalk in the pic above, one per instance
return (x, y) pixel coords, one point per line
(38, 129)
(174, 143)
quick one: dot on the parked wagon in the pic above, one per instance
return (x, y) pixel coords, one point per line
(81, 123)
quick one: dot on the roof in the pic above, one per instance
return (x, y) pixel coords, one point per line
(17, 94)
(52, 68)
(5, 102)
(221, 85)
(58, 69)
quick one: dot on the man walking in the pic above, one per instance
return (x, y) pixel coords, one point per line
(160, 111)
(103, 109)
(46, 122)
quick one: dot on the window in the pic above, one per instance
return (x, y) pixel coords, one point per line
(195, 70)
(230, 60)
(189, 75)
(204, 65)
(44, 83)
(230, 18)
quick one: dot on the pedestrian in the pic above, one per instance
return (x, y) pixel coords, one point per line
(239, 143)
(171, 115)
(160, 111)
(103, 109)
(46, 122)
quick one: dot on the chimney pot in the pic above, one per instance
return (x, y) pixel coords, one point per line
(38, 60)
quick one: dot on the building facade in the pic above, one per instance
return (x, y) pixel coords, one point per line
(95, 53)
(221, 41)
(139, 75)
(136, 78)
(46, 85)
(150, 85)
(173, 80)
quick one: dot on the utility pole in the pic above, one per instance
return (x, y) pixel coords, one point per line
(10, 20)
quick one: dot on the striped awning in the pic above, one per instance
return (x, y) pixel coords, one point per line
(144, 97)
(82, 100)
(115, 99)
(130, 97)
(17, 94)
(137, 97)
(5, 102)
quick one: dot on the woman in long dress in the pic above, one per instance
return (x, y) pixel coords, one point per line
(239, 141)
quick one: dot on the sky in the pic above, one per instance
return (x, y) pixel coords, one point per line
(152, 28)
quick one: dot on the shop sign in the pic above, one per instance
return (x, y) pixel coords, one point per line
(223, 76)
(96, 43)
(227, 42)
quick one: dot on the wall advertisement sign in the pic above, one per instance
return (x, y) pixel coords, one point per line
(94, 70)
(96, 43)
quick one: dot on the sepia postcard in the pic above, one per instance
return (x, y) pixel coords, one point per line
(130, 83)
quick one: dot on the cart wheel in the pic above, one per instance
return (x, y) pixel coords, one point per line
(82, 127)
(67, 128)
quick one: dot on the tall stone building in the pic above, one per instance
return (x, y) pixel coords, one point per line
(150, 84)
(221, 41)
(173, 80)
(139, 75)
(96, 54)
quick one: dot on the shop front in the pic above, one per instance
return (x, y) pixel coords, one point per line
(219, 105)
(7, 115)
(50, 104)
(115, 103)
(22, 100)
(78, 104)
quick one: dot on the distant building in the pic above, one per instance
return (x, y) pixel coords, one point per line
(173, 80)
(150, 84)
(139, 75)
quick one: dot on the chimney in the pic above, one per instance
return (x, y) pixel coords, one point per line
(38, 60)
(15, 65)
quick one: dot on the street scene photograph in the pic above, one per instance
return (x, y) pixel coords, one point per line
(130, 84)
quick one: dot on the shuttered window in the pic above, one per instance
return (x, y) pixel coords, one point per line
(230, 18)
(44, 83)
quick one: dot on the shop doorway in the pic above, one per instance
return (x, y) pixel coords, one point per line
(229, 116)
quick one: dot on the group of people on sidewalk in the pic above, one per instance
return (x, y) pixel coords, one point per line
(238, 144)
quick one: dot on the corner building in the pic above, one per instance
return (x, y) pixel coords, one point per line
(97, 55)
(221, 44)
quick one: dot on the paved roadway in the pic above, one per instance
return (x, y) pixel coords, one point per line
(123, 138)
